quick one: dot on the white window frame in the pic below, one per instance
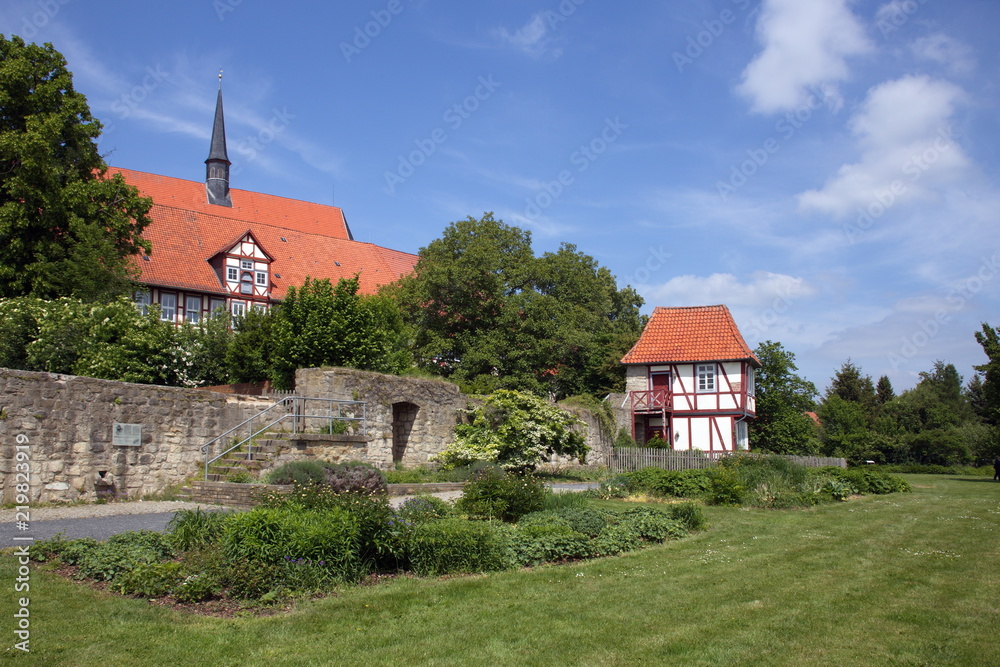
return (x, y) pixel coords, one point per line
(246, 264)
(232, 273)
(142, 300)
(192, 315)
(705, 377)
(168, 313)
(238, 308)
(751, 381)
(216, 304)
(260, 278)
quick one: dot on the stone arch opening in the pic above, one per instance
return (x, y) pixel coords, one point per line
(404, 416)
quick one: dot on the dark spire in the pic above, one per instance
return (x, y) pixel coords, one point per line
(217, 164)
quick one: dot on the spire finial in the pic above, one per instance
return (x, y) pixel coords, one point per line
(220, 77)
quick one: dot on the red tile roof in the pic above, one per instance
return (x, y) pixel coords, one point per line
(303, 239)
(699, 333)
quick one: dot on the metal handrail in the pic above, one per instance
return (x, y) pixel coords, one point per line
(297, 415)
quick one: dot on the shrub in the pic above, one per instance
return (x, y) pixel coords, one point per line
(724, 488)
(250, 580)
(197, 587)
(494, 494)
(559, 500)
(534, 549)
(297, 472)
(123, 553)
(652, 525)
(458, 546)
(422, 509)
(670, 483)
(150, 580)
(192, 529)
(616, 539)
(688, 515)
(873, 481)
(613, 488)
(269, 535)
(354, 477)
(67, 551)
(579, 520)
(537, 524)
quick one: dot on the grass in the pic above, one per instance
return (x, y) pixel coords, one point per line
(903, 579)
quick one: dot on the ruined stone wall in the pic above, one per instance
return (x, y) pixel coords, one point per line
(409, 419)
(61, 425)
(64, 424)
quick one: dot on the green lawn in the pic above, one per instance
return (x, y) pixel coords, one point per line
(905, 579)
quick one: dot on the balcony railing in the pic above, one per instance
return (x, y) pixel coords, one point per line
(651, 400)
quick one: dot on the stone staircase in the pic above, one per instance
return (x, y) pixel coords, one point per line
(236, 461)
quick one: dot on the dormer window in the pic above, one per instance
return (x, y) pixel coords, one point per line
(232, 273)
(246, 264)
(262, 278)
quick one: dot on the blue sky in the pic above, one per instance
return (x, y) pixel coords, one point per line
(826, 168)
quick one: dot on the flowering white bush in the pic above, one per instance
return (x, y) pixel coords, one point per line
(516, 430)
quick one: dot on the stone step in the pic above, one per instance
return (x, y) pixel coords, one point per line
(185, 493)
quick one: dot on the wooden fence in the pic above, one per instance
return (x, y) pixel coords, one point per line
(627, 459)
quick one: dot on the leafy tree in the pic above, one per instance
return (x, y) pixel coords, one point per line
(884, 391)
(989, 338)
(322, 325)
(516, 430)
(850, 385)
(66, 229)
(783, 398)
(488, 314)
(249, 355)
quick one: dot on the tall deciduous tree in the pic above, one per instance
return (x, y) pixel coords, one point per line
(324, 325)
(989, 338)
(783, 398)
(66, 229)
(489, 314)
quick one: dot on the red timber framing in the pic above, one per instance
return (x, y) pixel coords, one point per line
(690, 379)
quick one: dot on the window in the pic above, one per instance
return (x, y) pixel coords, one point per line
(751, 382)
(262, 278)
(232, 273)
(239, 309)
(706, 378)
(217, 305)
(168, 306)
(246, 264)
(192, 309)
(142, 301)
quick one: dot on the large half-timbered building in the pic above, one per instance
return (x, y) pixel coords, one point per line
(220, 247)
(690, 380)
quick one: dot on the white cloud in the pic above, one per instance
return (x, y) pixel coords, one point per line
(943, 50)
(763, 290)
(806, 45)
(907, 149)
(531, 39)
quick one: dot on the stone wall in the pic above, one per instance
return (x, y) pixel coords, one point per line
(64, 424)
(409, 419)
